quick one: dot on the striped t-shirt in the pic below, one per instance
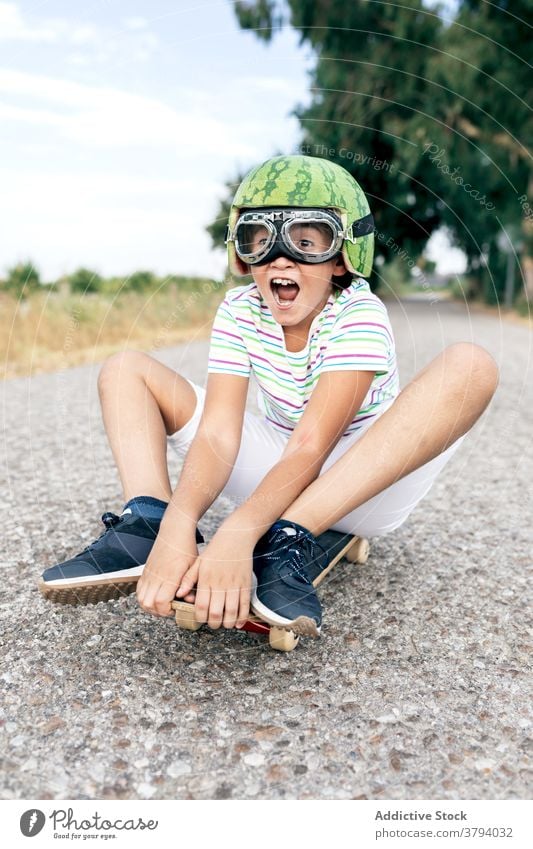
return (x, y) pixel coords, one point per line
(352, 333)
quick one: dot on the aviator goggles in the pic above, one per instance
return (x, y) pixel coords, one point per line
(305, 235)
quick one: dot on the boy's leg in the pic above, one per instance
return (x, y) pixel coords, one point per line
(440, 404)
(142, 403)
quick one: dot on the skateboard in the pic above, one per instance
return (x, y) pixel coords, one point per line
(336, 544)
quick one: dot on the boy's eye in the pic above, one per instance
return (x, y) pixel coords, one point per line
(310, 238)
(258, 243)
(252, 238)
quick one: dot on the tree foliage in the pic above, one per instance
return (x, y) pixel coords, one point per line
(485, 129)
(429, 115)
(217, 229)
(84, 280)
(21, 280)
(141, 281)
(369, 79)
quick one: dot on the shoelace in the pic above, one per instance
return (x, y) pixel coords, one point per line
(109, 519)
(297, 563)
(297, 559)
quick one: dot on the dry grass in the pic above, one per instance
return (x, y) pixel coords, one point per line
(50, 331)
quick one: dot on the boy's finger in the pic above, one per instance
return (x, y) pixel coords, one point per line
(244, 607)
(231, 608)
(216, 608)
(201, 604)
(157, 599)
(188, 581)
(162, 603)
(146, 595)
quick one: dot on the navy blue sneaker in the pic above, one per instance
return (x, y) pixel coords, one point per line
(288, 563)
(107, 568)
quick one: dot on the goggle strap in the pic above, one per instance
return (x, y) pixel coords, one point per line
(363, 226)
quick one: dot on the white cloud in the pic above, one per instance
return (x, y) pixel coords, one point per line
(100, 186)
(114, 223)
(101, 116)
(84, 34)
(103, 44)
(14, 27)
(136, 23)
(123, 169)
(28, 116)
(273, 85)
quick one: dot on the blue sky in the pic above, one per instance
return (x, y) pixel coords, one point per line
(120, 123)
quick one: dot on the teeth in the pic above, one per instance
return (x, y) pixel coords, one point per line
(281, 281)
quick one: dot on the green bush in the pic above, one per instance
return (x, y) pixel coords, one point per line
(395, 279)
(523, 305)
(141, 281)
(84, 280)
(22, 280)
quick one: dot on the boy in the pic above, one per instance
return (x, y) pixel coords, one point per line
(337, 446)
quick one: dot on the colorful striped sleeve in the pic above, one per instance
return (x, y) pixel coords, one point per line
(361, 339)
(227, 352)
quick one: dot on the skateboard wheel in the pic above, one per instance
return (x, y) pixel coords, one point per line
(282, 640)
(185, 616)
(359, 551)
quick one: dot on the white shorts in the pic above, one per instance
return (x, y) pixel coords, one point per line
(262, 446)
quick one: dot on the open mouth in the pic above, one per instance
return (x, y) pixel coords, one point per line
(285, 291)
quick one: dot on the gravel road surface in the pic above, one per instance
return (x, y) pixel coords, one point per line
(418, 689)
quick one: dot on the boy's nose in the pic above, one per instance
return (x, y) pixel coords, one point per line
(282, 261)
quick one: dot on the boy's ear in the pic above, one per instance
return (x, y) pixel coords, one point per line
(243, 268)
(339, 269)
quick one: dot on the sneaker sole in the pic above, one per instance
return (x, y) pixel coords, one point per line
(81, 591)
(303, 626)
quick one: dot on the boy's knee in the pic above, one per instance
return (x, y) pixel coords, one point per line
(124, 362)
(474, 361)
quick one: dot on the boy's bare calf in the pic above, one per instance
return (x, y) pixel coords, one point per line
(142, 402)
(440, 404)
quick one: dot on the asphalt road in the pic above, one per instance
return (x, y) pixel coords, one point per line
(419, 687)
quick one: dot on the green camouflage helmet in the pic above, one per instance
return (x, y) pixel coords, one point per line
(308, 182)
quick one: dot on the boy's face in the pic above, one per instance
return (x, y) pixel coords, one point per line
(296, 292)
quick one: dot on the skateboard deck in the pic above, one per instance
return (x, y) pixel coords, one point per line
(336, 544)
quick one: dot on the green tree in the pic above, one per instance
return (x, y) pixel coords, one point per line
(22, 279)
(428, 115)
(484, 135)
(141, 281)
(370, 77)
(217, 229)
(84, 280)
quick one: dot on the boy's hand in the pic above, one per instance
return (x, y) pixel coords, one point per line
(171, 557)
(224, 582)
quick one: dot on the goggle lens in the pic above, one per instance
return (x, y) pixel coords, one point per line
(252, 239)
(309, 237)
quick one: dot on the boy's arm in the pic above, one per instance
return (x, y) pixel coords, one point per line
(224, 575)
(225, 568)
(208, 465)
(212, 454)
(334, 403)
